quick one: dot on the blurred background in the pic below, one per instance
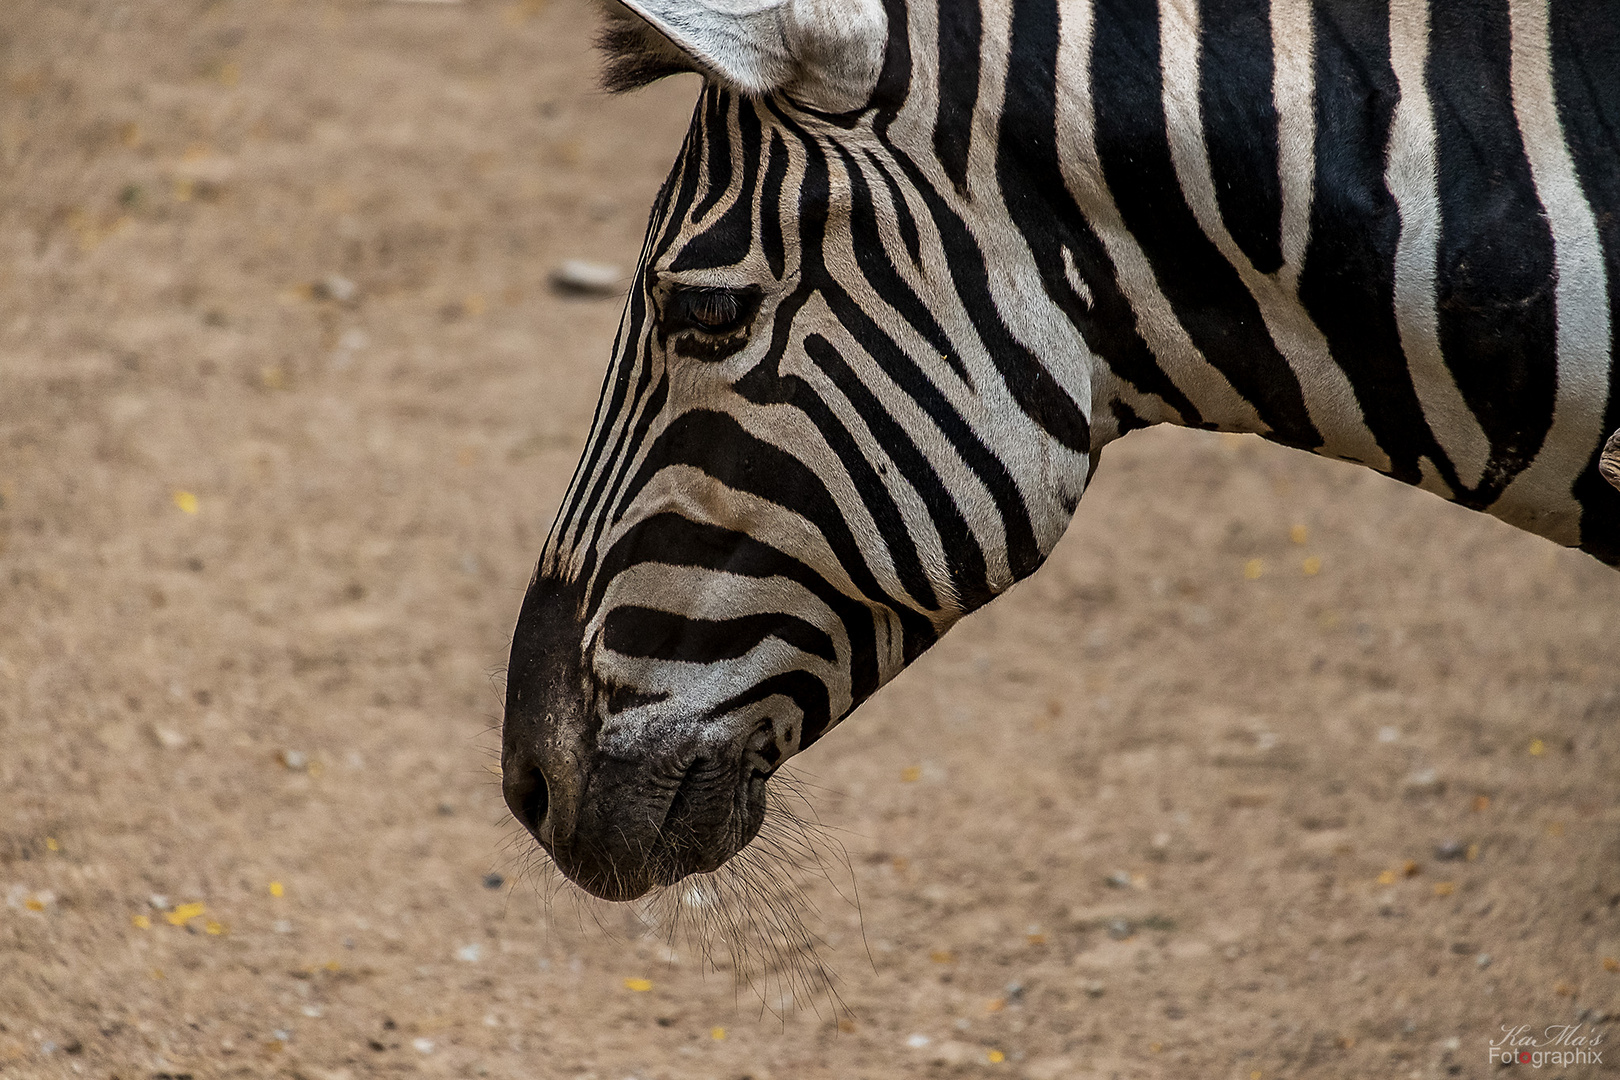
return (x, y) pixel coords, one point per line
(1277, 769)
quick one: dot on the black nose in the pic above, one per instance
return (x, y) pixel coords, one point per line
(527, 796)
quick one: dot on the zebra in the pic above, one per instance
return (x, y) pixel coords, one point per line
(920, 261)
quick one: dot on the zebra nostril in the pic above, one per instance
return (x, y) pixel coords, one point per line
(528, 799)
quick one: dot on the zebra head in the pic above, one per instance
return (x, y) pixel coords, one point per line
(824, 437)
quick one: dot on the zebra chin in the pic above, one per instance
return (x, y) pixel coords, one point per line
(618, 817)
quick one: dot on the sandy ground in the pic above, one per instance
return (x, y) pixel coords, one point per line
(263, 540)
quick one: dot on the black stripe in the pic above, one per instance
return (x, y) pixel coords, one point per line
(902, 211)
(866, 238)
(715, 444)
(963, 556)
(960, 30)
(1586, 80)
(624, 456)
(717, 137)
(803, 689)
(1209, 298)
(1040, 205)
(770, 206)
(1240, 124)
(766, 385)
(664, 635)
(1348, 282)
(672, 539)
(728, 241)
(1023, 554)
(1495, 274)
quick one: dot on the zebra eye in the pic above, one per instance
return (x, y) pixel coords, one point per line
(711, 311)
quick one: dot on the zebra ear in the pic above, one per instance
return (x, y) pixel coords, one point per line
(827, 54)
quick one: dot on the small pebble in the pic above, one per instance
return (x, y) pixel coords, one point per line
(423, 1046)
(493, 881)
(1014, 990)
(917, 1042)
(1119, 879)
(1425, 781)
(296, 760)
(336, 287)
(584, 278)
(470, 954)
(158, 901)
(1120, 929)
(1096, 988)
(1483, 959)
(1451, 851)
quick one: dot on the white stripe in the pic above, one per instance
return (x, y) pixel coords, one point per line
(1329, 397)
(1540, 498)
(1203, 383)
(1411, 176)
(1293, 89)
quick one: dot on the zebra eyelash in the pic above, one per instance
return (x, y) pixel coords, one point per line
(709, 323)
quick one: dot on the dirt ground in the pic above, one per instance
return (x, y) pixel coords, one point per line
(286, 407)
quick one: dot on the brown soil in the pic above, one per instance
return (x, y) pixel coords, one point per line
(300, 682)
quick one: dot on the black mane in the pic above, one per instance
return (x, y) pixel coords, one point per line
(634, 54)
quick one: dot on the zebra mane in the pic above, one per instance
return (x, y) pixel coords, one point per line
(634, 54)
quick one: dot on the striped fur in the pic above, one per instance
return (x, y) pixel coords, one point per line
(1386, 235)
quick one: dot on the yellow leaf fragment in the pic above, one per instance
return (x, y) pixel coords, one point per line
(995, 1057)
(214, 929)
(942, 956)
(1312, 566)
(185, 913)
(34, 903)
(639, 986)
(911, 774)
(186, 501)
(995, 1005)
(1537, 748)
(718, 1034)
(1411, 868)
(51, 844)
(1299, 534)
(140, 922)
(277, 889)
(1444, 888)
(1611, 964)
(1254, 569)
(1387, 878)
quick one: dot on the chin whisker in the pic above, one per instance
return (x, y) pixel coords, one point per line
(756, 917)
